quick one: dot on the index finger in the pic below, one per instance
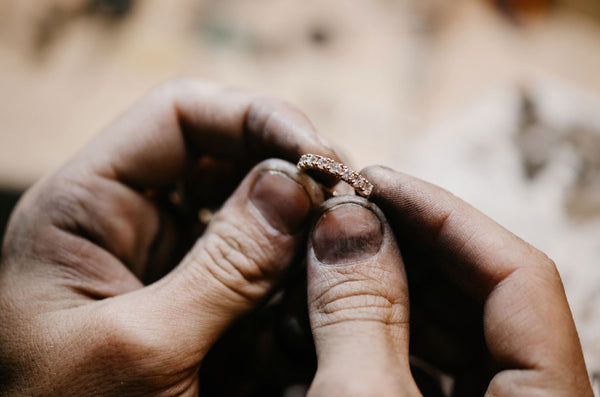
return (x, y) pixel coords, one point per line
(150, 144)
(478, 253)
(526, 314)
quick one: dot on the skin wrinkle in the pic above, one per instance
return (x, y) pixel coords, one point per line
(220, 250)
(109, 171)
(340, 289)
(250, 271)
(139, 254)
(225, 281)
(370, 300)
(86, 272)
(374, 319)
(332, 296)
(330, 286)
(348, 275)
(360, 307)
(251, 249)
(138, 251)
(77, 217)
(60, 207)
(96, 231)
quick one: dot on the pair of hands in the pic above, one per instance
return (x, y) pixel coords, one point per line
(91, 301)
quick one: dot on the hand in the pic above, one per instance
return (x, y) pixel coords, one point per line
(76, 318)
(485, 307)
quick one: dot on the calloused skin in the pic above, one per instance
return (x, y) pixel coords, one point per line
(101, 294)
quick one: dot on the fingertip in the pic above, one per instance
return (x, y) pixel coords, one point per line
(283, 196)
(357, 293)
(384, 180)
(349, 229)
(276, 128)
(312, 188)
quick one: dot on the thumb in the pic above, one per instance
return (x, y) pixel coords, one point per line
(247, 246)
(358, 303)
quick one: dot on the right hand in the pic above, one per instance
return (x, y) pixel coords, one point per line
(486, 307)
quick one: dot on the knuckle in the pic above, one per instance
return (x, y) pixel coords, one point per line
(238, 262)
(66, 204)
(42, 230)
(265, 114)
(60, 200)
(359, 299)
(546, 270)
(540, 264)
(44, 209)
(547, 264)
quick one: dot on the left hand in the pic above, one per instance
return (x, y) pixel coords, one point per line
(76, 317)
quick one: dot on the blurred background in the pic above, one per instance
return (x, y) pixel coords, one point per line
(495, 100)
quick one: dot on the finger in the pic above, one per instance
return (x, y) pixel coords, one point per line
(526, 314)
(60, 227)
(151, 143)
(99, 198)
(248, 245)
(358, 303)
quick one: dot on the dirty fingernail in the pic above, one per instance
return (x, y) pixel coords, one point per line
(347, 233)
(283, 202)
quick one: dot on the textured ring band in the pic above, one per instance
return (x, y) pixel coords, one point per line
(337, 169)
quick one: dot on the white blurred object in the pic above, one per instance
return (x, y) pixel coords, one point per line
(478, 157)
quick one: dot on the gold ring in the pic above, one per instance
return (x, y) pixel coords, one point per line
(337, 169)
